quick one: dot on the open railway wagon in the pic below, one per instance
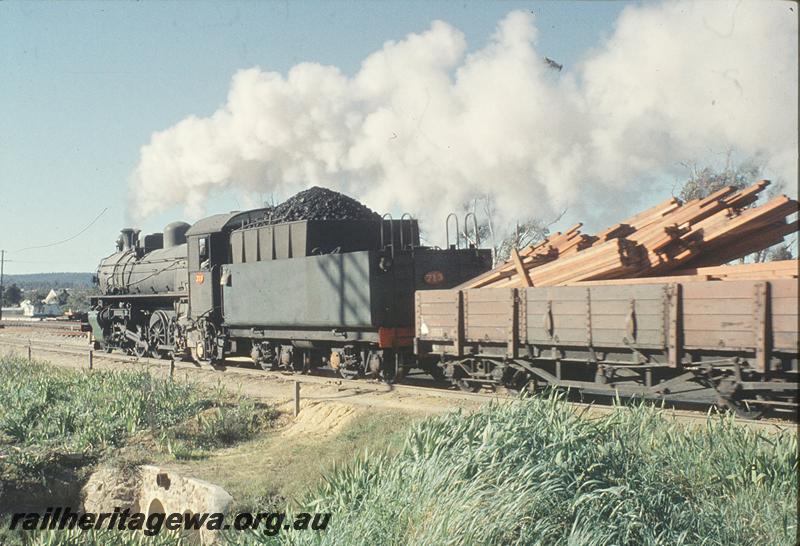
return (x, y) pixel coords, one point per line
(732, 343)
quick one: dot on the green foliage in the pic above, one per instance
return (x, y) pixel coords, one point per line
(705, 181)
(12, 295)
(78, 299)
(48, 415)
(46, 281)
(533, 472)
(34, 296)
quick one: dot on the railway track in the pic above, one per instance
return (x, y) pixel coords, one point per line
(415, 385)
(58, 328)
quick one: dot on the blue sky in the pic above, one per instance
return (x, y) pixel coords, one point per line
(84, 85)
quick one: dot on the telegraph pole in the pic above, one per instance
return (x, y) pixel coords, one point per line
(2, 263)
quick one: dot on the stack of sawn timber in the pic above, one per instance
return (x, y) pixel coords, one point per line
(680, 239)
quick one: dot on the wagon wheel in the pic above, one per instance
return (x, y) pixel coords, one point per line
(460, 380)
(159, 333)
(741, 409)
(520, 382)
(467, 386)
(437, 373)
(729, 396)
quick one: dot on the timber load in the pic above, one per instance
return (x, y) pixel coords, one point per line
(672, 241)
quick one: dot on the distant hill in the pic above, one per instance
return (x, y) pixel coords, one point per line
(49, 280)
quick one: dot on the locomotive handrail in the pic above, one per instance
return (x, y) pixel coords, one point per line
(119, 264)
(447, 230)
(391, 232)
(410, 218)
(474, 228)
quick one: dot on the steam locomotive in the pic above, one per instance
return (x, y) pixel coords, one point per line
(292, 295)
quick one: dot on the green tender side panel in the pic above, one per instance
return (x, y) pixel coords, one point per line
(328, 291)
(97, 331)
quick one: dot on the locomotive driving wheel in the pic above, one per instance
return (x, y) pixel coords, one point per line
(160, 334)
(141, 347)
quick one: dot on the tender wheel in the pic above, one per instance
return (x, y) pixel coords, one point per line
(267, 365)
(348, 374)
(375, 366)
(400, 374)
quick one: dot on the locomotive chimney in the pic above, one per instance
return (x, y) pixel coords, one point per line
(127, 236)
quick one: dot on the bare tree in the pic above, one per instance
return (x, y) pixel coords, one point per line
(705, 181)
(779, 252)
(503, 236)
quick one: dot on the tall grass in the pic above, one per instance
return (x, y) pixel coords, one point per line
(533, 472)
(529, 471)
(47, 414)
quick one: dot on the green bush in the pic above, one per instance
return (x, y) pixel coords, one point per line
(533, 472)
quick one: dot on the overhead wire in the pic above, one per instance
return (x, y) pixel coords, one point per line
(90, 224)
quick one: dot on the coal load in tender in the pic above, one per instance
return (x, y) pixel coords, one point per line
(320, 204)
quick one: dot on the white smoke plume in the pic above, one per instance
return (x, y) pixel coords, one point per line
(423, 126)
